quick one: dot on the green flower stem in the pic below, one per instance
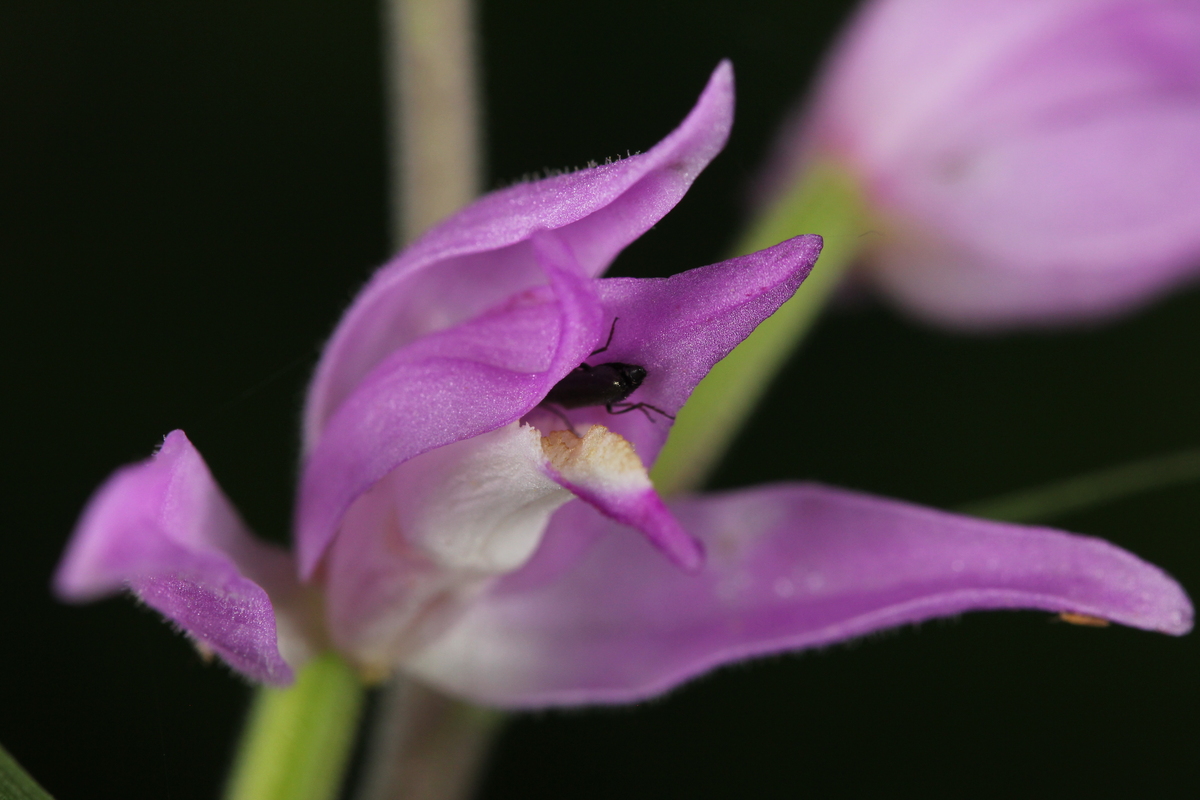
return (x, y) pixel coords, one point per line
(16, 783)
(1044, 503)
(826, 202)
(297, 740)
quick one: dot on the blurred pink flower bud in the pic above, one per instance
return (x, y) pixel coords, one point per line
(1025, 161)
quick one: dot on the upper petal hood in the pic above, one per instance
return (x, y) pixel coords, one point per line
(488, 372)
(446, 387)
(481, 255)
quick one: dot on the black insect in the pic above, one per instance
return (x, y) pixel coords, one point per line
(601, 385)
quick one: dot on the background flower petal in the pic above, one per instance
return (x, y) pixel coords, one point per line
(165, 531)
(598, 616)
(885, 88)
(1074, 223)
(1036, 166)
(483, 254)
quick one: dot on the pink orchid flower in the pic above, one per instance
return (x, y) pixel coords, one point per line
(452, 524)
(1026, 161)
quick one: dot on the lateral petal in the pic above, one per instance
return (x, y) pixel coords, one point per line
(164, 530)
(599, 617)
(602, 469)
(677, 328)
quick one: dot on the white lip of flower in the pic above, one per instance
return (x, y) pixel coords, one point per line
(468, 512)
(485, 502)
(480, 504)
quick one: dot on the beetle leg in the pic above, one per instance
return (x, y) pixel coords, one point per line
(625, 408)
(611, 331)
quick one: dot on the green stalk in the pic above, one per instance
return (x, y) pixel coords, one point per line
(297, 740)
(1044, 503)
(826, 202)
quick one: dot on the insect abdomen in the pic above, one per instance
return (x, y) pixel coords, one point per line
(596, 386)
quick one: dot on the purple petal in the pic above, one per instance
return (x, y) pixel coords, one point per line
(446, 387)
(885, 90)
(165, 531)
(679, 327)
(481, 255)
(597, 616)
(602, 469)
(1119, 223)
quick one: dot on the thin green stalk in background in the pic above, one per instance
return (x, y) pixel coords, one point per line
(826, 202)
(1044, 503)
(297, 740)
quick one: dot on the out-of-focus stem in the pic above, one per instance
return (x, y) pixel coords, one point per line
(433, 112)
(425, 745)
(297, 740)
(1044, 503)
(428, 746)
(826, 202)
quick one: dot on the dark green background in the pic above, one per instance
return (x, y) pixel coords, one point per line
(193, 191)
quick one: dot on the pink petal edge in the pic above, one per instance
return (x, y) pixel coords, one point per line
(599, 617)
(163, 530)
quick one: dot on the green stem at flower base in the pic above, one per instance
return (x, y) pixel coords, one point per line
(298, 740)
(1052, 500)
(827, 202)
